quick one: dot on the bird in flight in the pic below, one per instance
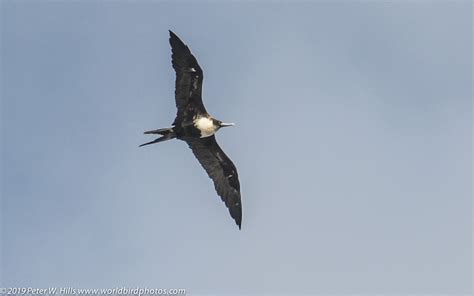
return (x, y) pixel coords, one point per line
(197, 128)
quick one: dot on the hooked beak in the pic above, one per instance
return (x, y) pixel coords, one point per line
(223, 124)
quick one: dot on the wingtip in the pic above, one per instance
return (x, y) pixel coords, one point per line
(236, 213)
(238, 221)
(175, 41)
(173, 34)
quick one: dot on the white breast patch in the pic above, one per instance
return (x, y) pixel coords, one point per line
(206, 127)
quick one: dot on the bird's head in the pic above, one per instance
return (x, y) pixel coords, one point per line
(220, 124)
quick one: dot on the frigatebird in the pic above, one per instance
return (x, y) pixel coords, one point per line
(197, 128)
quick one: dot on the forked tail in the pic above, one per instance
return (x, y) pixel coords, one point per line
(167, 134)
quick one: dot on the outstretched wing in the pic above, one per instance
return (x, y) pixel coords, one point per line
(221, 170)
(188, 80)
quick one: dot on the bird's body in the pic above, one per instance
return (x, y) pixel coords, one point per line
(205, 125)
(197, 128)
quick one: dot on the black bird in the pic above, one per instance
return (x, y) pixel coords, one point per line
(197, 128)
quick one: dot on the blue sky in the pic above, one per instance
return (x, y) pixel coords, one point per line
(352, 140)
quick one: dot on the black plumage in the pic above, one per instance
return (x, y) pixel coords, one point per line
(197, 128)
